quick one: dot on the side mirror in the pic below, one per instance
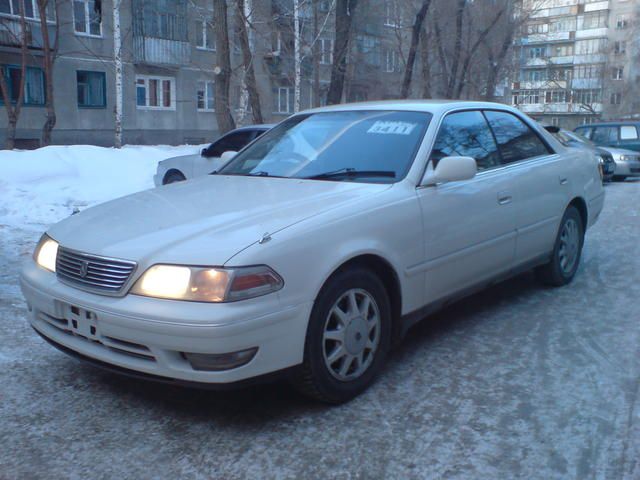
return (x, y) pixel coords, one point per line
(203, 152)
(228, 155)
(451, 169)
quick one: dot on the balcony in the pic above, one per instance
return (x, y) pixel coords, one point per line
(161, 51)
(11, 33)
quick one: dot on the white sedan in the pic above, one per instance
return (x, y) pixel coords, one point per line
(315, 248)
(209, 160)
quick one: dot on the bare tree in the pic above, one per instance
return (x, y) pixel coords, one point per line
(117, 61)
(223, 68)
(13, 110)
(247, 59)
(48, 59)
(413, 47)
(344, 19)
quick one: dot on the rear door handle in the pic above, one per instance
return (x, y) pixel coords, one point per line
(504, 198)
(564, 181)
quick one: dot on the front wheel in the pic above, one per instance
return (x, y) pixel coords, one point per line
(566, 253)
(348, 337)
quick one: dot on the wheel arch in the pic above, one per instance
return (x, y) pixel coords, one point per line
(172, 171)
(581, 206)
(388, 275)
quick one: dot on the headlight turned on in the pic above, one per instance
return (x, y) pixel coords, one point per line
(46, 253)
(207, 284)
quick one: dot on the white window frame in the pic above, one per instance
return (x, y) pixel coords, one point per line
(205, 90)
(87, 23)
(287, 93)
(160, 79)
(390, 61)
(326, 51)
(202, 34)
(391, 13)
(36, 12)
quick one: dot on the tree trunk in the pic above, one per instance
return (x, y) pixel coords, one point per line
(315, 52)
(413, 48)
(344, 16)
(117, 61)
(13, 111)
(48, 62)
(426, 67)
(496, 68)
(247, 58)
(223, 69)
(457, 49)
(297, 60)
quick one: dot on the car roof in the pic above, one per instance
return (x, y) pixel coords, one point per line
(431, 106)
(260, 126)
(611, 124)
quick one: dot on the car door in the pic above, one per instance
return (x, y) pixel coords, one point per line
(605, 136)
(469, 225)
(233, 141)
(541, 178)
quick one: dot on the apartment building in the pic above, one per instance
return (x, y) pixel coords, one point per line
(169, 62)
(577, 61)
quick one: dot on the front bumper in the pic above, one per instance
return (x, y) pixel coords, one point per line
(146, 335)
(627, 168)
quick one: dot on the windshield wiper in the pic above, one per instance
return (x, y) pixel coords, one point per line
(352, 173)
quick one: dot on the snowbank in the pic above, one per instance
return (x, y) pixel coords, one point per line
(43, 186)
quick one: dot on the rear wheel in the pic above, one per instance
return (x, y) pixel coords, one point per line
(173, 177)
(566, 253)
(348, 337)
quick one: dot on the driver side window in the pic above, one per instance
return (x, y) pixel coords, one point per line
(234, 141)
(466, 134)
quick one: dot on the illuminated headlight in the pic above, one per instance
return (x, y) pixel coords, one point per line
(626, 158)
(46, 253)
(207, 284)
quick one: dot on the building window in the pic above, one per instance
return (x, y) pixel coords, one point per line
(616, 98)
(33, 85)
(205, 35)
(537, 52)
(617, 73)
(620, 47)
(528, 97)
(555, 121)
(205, 96)
(91, 89)
(587, 96)
(284, 100)
(391, 13)
(13, 8)
(595, 20)
(391, 61)
(87, 17)
(557, 96)
(622, 22)
(156, 93)
(326, 51)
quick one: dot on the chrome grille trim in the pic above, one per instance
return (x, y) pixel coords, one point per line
(104, 275)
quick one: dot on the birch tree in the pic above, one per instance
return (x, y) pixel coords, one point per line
(117, 61)
(253, 95)
(223, 68)
(48, 59)
(297, 60)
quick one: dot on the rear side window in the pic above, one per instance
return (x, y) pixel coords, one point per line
(466, 134)
(604, 135)
(516, 140)
(235, 142)
(585, 132)
(628, 132)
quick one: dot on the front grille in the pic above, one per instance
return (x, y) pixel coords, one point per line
(103, 275)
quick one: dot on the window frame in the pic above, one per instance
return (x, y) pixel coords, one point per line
(635, 128)
(206, 97)
(552, 151)
(202, 23)
(25, 97)
(172, 92)
(103, 75)
(36, 13)
(87, 21)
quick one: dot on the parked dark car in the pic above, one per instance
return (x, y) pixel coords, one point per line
(613, 134)
(572, 139)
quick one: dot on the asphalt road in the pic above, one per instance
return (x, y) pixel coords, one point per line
(518, 381)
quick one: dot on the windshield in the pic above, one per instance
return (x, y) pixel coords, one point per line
(568, 138)
(363, 146)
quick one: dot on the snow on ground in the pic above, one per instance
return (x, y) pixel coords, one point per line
(40, 187)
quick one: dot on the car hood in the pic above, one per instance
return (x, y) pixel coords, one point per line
(203, 221)
(618, 151)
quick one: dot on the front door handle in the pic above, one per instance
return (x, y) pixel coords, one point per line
(564, 181)
(504, 198)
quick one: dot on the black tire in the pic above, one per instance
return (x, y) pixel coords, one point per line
(173, 176)
(552, 273)
(314, 378)
(619, 178)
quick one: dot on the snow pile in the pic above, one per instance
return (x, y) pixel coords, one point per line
(41, 187)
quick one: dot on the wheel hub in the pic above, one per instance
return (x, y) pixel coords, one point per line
(356, 336)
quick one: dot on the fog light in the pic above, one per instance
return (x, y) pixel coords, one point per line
(220, 361)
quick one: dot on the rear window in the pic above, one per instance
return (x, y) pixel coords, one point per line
(628, 132)
(604, 135)
(517, 141)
